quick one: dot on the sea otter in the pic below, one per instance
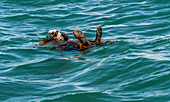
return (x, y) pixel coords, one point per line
(63, 42)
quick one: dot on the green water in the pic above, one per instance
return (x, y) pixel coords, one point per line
(136, 68)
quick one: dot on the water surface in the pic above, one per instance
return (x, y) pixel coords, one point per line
(136, 68)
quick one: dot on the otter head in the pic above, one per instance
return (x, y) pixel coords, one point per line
(55, 34)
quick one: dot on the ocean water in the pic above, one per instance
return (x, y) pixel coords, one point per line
(136, 68)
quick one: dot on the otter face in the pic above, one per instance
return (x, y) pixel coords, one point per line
(55, 34)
